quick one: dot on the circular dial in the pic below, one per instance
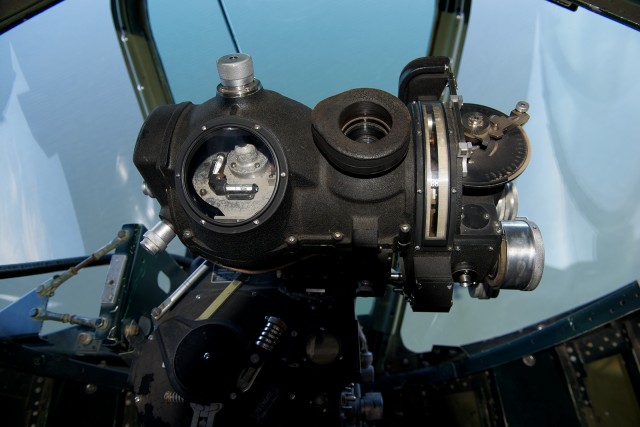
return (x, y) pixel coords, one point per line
(495, 161)
(230, 175)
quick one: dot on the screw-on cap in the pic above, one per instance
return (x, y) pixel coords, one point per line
(235, 69)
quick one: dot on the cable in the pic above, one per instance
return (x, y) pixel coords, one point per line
(229, 27)
(41, 267)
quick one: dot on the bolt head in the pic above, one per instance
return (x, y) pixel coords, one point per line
(90, 388)
(529, 360)
(522, 107)
(85, 338)
(475, 120)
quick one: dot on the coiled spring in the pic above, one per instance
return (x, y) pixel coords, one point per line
(172, 397)
(271, 333)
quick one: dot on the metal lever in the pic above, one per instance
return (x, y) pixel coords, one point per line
(159, 311)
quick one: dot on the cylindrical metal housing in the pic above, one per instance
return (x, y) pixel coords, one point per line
(521, 257)
(158, 238)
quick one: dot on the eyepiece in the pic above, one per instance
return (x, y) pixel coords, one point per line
(362, 132)
(365, 122)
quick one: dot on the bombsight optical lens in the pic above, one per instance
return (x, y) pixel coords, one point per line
(365, 122)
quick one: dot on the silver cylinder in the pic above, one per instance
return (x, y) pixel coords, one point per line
(521, 261)
(235, 69)
(507, 206)
(158, 238)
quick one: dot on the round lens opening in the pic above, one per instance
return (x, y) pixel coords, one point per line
(365, 122)
(232, 176)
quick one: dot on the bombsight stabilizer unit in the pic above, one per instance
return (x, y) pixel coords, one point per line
(365, 190)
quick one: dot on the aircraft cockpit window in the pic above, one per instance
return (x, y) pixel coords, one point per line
(377, 155)
(68, 120)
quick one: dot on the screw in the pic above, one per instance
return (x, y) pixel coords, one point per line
(337, 235)
(529, 360)
(131, 330)
(187, 234)
(522, 107)
(475, 120)
(257, 165)
(203, 192)
(85, 338)
(405, 228)
(291, 240)
(90, 388)
(206, 356)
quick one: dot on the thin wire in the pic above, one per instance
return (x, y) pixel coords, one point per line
(229, 27)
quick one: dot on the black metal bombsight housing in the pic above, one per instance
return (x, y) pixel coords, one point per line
(366, 189)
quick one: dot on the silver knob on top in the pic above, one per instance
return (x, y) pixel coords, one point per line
(235, 69)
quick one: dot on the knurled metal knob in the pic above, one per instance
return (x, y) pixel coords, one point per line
(235, 69)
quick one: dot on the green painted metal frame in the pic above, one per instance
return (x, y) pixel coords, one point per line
(140, 54)
(545, 335)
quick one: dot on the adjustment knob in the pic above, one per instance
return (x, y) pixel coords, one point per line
(235, 69)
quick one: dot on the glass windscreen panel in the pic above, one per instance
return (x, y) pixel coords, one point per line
(306, 51)
(68, 125)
